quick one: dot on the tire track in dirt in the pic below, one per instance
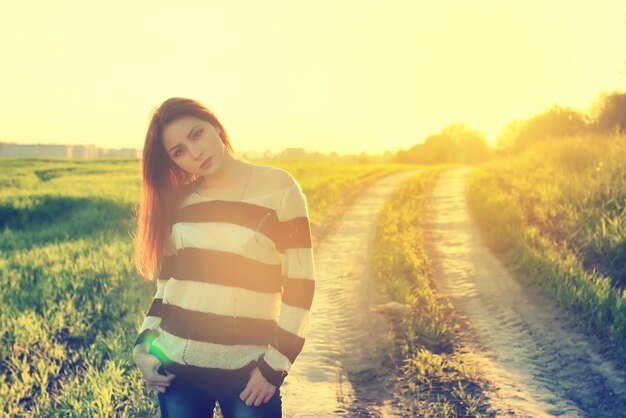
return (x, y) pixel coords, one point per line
(341, 370)
(539, 365)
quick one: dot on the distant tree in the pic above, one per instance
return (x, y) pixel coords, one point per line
(364, 158)
(387, 156)
(438, 149)
(555, 122)
(294, 153)
(507, 135)
(299, 153)
(470, 145)
(608, 112)
(403, 156)
(456, 143)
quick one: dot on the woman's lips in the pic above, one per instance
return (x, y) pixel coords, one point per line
(206, 163)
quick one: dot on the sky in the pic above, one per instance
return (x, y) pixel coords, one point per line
(326, 75)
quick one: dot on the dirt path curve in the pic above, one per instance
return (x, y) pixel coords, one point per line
(341, 370)
(539, 365)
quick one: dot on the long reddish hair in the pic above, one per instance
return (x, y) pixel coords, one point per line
(164, 184)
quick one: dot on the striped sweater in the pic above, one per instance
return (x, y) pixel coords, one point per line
(235, 290)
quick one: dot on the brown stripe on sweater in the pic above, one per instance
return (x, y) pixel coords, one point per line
(213, 328)
(213, 379)
(226, 268)
(287, 343)
(240, 213)
(292, 233)
(155, 307)
(298, 292)
(168, 266)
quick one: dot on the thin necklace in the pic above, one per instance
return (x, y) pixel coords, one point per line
(246, 185)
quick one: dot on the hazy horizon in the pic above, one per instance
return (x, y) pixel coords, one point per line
(247, 150)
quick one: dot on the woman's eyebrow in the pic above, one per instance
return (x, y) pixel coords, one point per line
(188, 136)
(190, 132)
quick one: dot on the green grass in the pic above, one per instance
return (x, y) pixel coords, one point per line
(438, 381)
(71, 300)
(556, 214)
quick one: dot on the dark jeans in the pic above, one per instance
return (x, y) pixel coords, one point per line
(185, 400)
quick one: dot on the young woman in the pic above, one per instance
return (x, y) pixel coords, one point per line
(229, 244)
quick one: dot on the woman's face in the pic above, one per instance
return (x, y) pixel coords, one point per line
(190, 141)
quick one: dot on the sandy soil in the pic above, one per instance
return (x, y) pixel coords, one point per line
(343, 369)
(539, 365)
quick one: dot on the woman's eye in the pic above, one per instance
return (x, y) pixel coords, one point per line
(177, 153)
(197, 134)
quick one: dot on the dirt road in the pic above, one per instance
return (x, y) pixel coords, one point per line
(539, 365)
(341, 370)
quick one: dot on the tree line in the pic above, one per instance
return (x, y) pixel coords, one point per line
(458, 143)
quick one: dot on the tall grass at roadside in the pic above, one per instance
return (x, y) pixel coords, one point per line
(557, 214)
(439, 383)
(70, 298)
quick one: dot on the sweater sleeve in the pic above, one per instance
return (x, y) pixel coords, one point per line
(298, 273)
(149, 327)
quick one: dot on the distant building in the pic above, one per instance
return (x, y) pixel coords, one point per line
(12, 149)
(32, 150)
(82, 151)
(119, 153)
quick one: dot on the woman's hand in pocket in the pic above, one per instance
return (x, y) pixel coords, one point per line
(258, 390)
(148, 365)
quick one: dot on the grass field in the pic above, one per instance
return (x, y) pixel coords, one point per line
(557, 214)
(71, 298)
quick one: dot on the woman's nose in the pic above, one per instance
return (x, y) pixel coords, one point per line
(196, 152)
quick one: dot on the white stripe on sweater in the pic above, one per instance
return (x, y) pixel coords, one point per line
(276, 360)
(151, 322)
(298, 263)
(295, 320)
(224, 236)
(219, 299)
